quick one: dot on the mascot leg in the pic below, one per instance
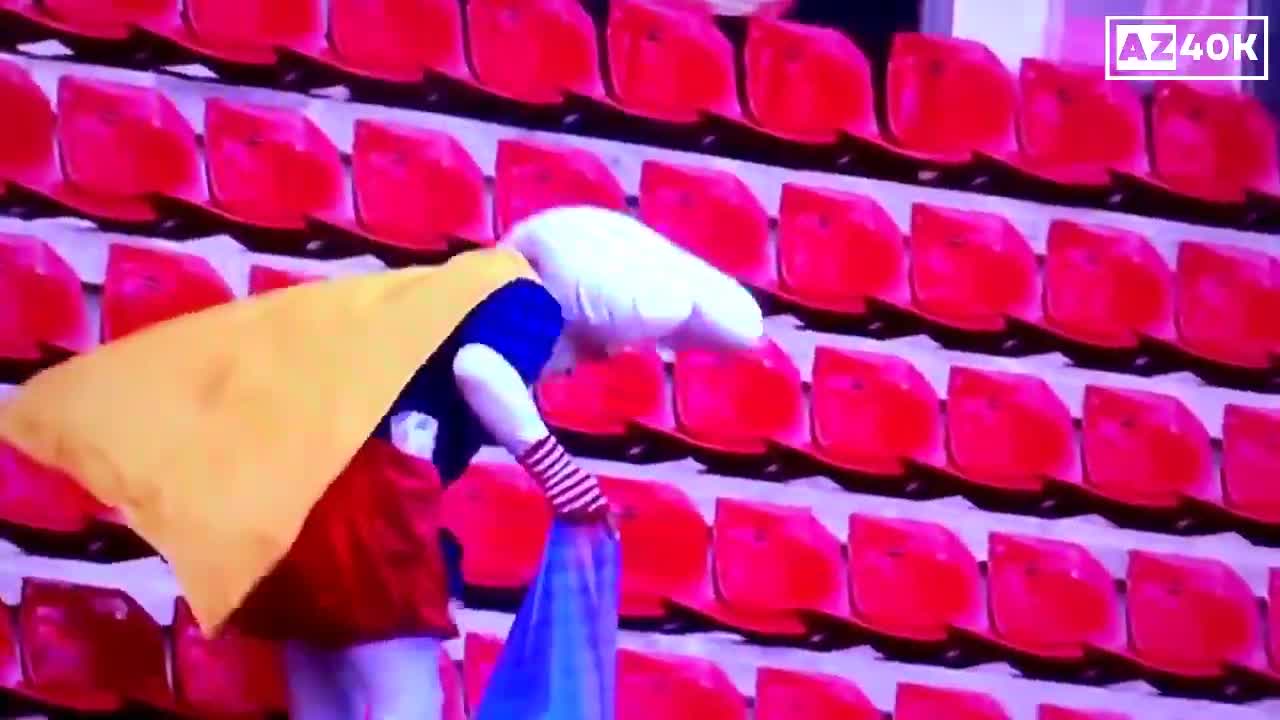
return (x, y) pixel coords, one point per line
(316, 687)
(398, 678)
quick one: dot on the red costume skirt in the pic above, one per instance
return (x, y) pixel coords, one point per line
(368, 564)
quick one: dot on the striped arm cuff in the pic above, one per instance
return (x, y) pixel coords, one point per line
(570, 489)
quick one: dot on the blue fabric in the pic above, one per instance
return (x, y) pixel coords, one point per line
(560, 658)
(521, 321)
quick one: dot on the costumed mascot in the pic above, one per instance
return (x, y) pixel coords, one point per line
(286, 453)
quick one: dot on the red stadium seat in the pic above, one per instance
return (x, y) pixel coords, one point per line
(27, 143)
(269, 169)
(1213, 609)
(1211, 144)
(1105, 287)
(111, 20)
(921, 702)
(1076, 127)
(673, 687)
(666, 546)
(836, 249)
(734, 404)
(119, 144)
(602, 398)
(712, 214)
(454, 706)
(1050, 599)
(392, 40)
(1008, 431)
(1273, 619)
(480, 655)
(35, 496)
(241, 32)
(145, 286)
(1228, 304)
(417, 191)
(786, 694)
(772, 563)
(43, 316)
(1251, 462)
(971, 270)
(870, 413)
(532, 176)
(1144, 449)
(11, 679)
(263, 278)
(91, 649)
(1054, 712)
(807, 83)
(229, 675)
(534, 51)
(501, 519)
(911, 579)
(670, 64)
(949, 98)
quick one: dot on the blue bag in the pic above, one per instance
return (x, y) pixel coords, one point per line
(560, 658)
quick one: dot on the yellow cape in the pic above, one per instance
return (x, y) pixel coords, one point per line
(215, 433)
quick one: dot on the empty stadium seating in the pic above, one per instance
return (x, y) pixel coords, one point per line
(501, 518)
(71, 20)
(660, 685)
(263, 279)
(923, 702)
(237, 32)
(534, 52)
(43, 317)
(1250, 461)
(601, 399)
(144, 286)
(27, 145)
(530, 177)
(227, 675)
(1227, 300)
(784, 694)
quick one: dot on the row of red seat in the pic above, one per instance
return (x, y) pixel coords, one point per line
(90, 649)
(774, 573)
(866, 414)
(673, 687)
(949, 101)
(123, 155)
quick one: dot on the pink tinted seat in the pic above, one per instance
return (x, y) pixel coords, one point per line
(144, 286)
(90, 648)
(1050, 599)
(1211, 144)
(871, 413)
(772, 564)
(264, 278)
(1251, 462)
(229, 675)
(37, 497)
(1211, 606)
(670, 63)
(43, 315)
(786, 694)
(836, 249)
(922, 702)
(1105, 287)
(11, 679)
(392, 40)
(119, 144)
(734, 403)
(1076, 127)
(673, 687)
(111, 20)
(602, 398)
(417, 191)
(911, 579)
(971, 270)
(667, 545)
(712, 214)
(480, 655)
(500, 518)
(949, 98)
(1228, 304)
(534, 51)
(269, 168)
(242, 32)
(1144, 449)
(1054, 712)
(807, 83)
(1008, 431)
(27, 143)
(532, 176)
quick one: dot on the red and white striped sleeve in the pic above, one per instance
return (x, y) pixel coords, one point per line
(572, 491)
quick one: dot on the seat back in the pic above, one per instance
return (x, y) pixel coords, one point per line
(923, 702)
(1228, 303)
(27, 143)
(785, 694)
(145, 286)
(738, 400)
(108, 16)
(501, 519)
(231, 674)
(674, 687)
(42, 306)
(1071, 117)
(603, 397)
(398, 35)
(1251, 460)
(532, 176)
(264, 278)
(256, 24)
(534, 51)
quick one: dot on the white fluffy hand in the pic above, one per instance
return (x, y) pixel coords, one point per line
(414, 433)
(620, 282)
